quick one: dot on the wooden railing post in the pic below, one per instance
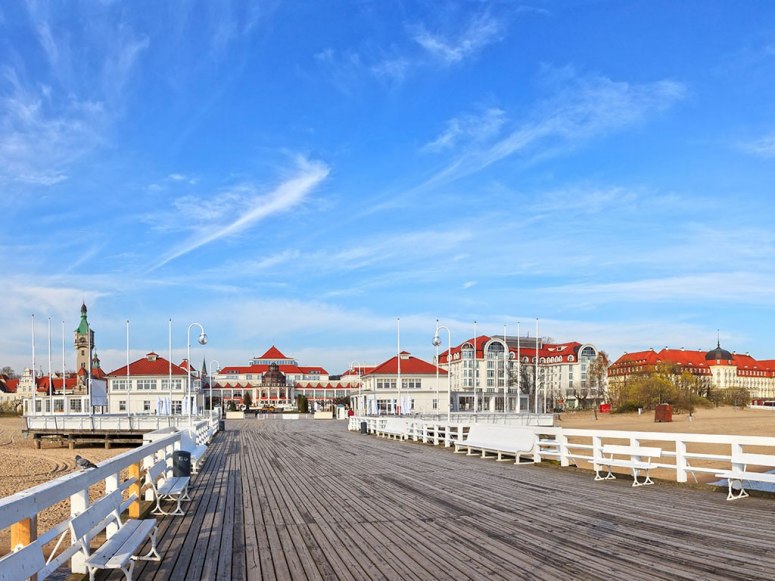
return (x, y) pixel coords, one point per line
(24, 532)
(134, 488)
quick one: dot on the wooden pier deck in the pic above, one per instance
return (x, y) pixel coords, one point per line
(308, 500)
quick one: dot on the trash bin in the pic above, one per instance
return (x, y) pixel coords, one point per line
(221, 425)
(181, 463)
(663, 413)
(364, 428)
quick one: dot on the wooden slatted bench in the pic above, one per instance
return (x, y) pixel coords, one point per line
(197, 458)
(166, 487)
(499, 440)
(634, 462)
(119, 551)
(22, 564)
(393, 428)
(740, 472)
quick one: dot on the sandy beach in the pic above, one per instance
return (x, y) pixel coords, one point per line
(723, 420)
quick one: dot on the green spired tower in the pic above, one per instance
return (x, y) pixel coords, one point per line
(84, 341)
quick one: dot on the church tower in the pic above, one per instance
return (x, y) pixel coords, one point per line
(84, 341)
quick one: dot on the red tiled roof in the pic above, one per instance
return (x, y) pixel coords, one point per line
(273, 353)
(409, 365)
(151, 364)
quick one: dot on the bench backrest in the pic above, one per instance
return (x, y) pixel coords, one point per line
(509, 435)
(156, 472)
(395, 424)
(754, 459)
(23, 563)
(93, 519)
(641, 451)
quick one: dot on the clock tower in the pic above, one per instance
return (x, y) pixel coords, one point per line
(84, 341)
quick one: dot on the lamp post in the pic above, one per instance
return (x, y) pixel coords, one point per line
(436, 343)
(212, 366)
(360, 385)
(202, 341)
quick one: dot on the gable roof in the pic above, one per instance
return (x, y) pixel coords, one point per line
(409, 365)
(273, 353)
(151, 364)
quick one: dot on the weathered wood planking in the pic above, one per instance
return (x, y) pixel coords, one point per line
(308, 500)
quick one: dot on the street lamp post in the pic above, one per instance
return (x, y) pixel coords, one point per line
(212, 364)
(436, 343)
(360, 385)
(202, 341)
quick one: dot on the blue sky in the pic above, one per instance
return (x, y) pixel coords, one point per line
(304, 173)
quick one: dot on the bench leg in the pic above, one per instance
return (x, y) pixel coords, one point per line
(731, 495)
(608, 476)
(128, 570)
(646, 481)
(153, 554)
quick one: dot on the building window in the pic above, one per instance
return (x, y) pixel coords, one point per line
(176, 384)
(411, 383)
(177, 407)
(75, 406)
(122, 405)
(59, 405)
(146, 405)
(120, 384)
(146, 384)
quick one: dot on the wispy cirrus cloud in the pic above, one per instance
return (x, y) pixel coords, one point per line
(450, 42)
(470, 128)
(762, 147)
(453, 47)
(213, 218)
(584, 108)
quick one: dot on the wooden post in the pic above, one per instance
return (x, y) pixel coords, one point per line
(134, 488)
(24, 532)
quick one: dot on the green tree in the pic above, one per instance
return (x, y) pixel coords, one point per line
(247, 400)
(8, 372)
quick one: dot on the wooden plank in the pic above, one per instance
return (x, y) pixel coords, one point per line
(309, 500)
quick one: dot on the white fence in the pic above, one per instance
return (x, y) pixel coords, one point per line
(682, 454)
(113, 422)
(20, 511)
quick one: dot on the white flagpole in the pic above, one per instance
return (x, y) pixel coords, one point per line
(519, 375)
(34, 382)
(128, 391)
(536, 370)
(64, 385)
(505, 365)
(398, 361)
(50, 384)
(476, 402)
(170, 366)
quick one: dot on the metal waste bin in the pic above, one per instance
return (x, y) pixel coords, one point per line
(221, 425)
(364, 428)
(181, 463)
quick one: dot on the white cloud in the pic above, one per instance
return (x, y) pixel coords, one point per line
(585, 107)
(449, 48)
(469, 284)
(247, 203)
(761, 147)
(474, 128)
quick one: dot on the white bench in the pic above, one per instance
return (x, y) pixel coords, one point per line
(392, 428)
(197, 456)
(740, 472)
(166, 487)
(119, 551)
(22, 564)
(499, 440)
(634, 461)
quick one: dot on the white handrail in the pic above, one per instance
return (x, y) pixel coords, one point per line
(568, 445)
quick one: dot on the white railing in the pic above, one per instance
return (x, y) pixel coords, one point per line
(111, 422)
(684, 454)
(20, 511)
